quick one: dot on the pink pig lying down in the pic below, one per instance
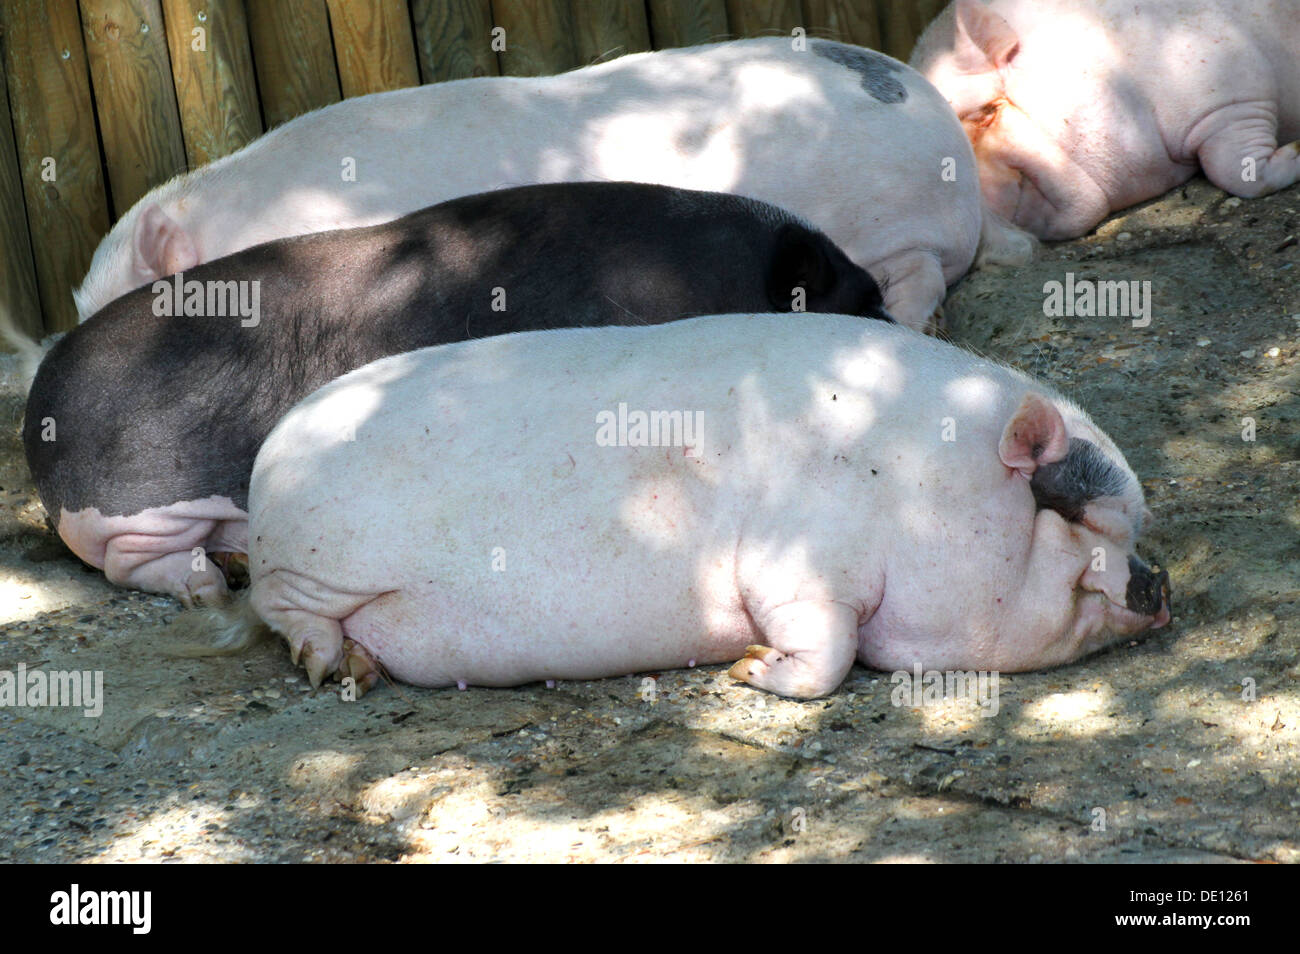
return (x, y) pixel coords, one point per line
(792, 493)
(855, 142)
(1078, 108)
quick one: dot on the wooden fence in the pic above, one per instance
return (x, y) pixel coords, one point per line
(101, 100)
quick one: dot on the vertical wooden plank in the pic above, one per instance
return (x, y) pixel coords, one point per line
(901, 22)
(18, 296)
(687, 22)
(849, 21)
(539, 36)
(763, 17)
(127, 50)
(58, 153)
(608, 30)
(927, 11)
(373, 46)
(213, 70)
(293, 55)
(454, 39)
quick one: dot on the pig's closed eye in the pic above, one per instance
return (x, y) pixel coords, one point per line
(984, 116)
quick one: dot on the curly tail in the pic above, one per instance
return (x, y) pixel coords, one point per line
(1002, 243)
(30, 351)
(226, 630)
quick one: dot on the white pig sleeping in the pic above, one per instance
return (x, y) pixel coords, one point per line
(1078, 108)
(793, 493)
(855, 142)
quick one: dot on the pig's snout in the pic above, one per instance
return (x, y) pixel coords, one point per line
(1148, 591)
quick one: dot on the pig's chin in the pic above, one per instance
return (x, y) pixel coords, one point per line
(1031, 209)
(1100, 621)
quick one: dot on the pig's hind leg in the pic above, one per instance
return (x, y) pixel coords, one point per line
(309, 615)
(133, 560)
(810, 648)
(1237, 147)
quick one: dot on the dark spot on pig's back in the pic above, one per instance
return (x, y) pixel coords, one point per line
(875, 69)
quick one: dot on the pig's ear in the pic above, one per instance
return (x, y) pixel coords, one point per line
(161, 246)
(1034, 436)
(984, 41)
(799, 260)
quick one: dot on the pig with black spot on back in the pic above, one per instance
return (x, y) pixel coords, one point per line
(143, 422)
(816, 490)
(1079, 108)
(856, 143)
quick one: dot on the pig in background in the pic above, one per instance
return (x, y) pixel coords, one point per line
(452, 515)
(1078, 108)
(852, 140)
(141, 428)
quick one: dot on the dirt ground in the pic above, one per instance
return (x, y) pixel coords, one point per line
(1183, 747)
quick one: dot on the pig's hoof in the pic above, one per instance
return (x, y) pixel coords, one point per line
(937, 325)
(756, 665)
(786, 675)
(315, 665)
(234, 566)
(358, 665)
(315, 654)
(201, 589)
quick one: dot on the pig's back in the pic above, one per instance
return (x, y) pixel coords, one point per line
(500, 439)
(712, 118)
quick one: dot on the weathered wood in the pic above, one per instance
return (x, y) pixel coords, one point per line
(134, 99)
(687, 22)
(901, 22)
(849, 21)
(18, 295)
(294, 57)
(58, 153)
(373, 45)
(539, 37)
(763, 17)
(454, 39)
(213, 70)
(927, 10)
(610, 29)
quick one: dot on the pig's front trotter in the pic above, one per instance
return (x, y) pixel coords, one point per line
(1241, 156)
(810, 649)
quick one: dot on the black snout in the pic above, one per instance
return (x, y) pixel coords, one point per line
(1147, 590)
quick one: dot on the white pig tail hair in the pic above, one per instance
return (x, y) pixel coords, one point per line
(207, 631)
(30, 351)
(1002, 243)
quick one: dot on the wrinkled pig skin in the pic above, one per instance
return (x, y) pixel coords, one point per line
(141, 429)
(848, 490)
(853, 141)
(1079, 108)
